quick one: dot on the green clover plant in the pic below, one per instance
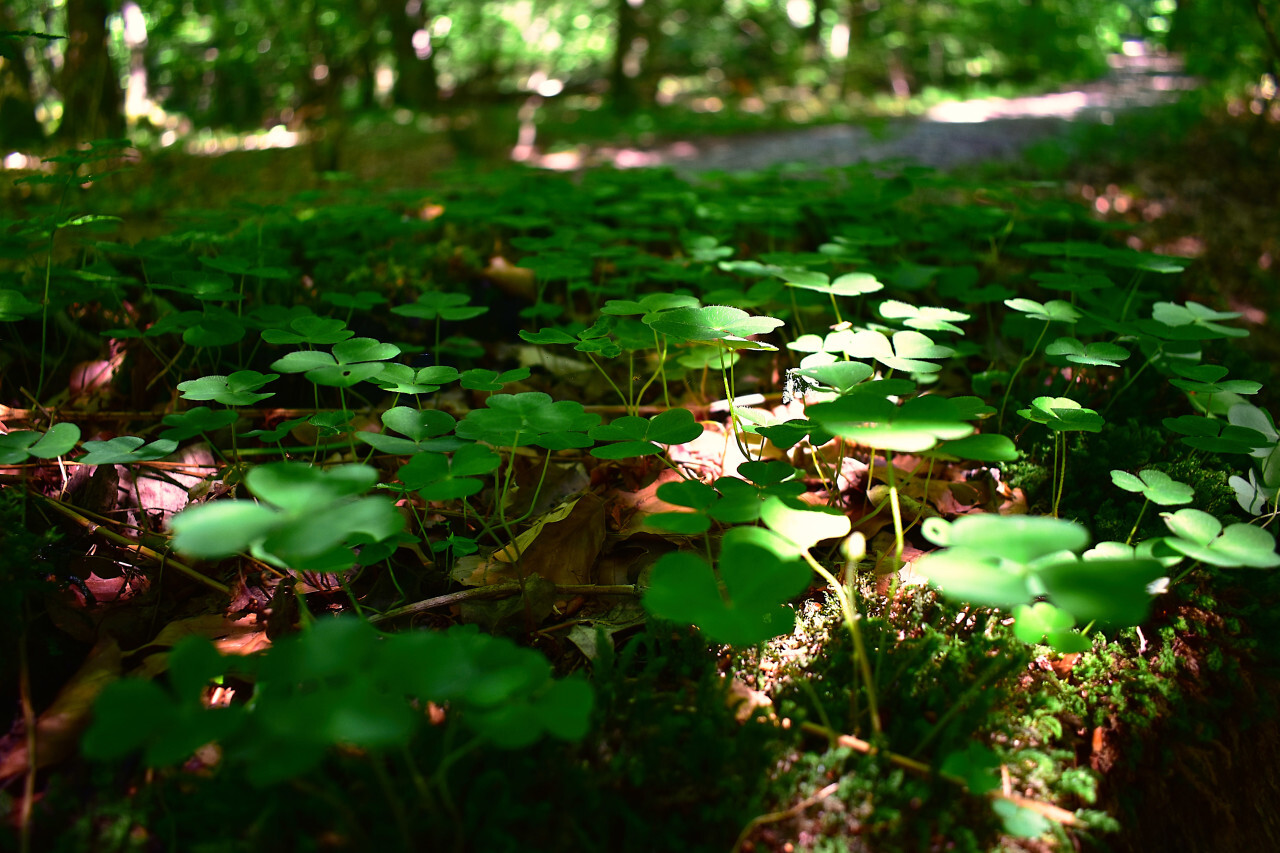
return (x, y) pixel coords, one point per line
(1061, 415)
(20, 444)
(339, 684)
(1012, 561)
(1263, 483)
(304, 519)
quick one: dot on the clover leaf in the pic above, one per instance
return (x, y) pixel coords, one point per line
(1042, 622)
(304, 516)
(1095, 354)
(849, 284)
(1190, 321)
(977, 765)
(517, 420)
(841, 376)
(17, 445)
(1208, 379)
(14, 306)
(437, 477)
(309, 329)
(362, 301)
(803, 525)
(742, 604)
(917, 425)
(238, 389)
(1200, 536)
(730, 501)
(926, 318)
(649, 304)
(480, 379)
(983, 447)
(731, 326)
(593, 339)
(1006, 561)
(352, 361)
(1062, 414)
(1214, 436)
(905, 351)
(1156, 486)
(1020, 539)
(441, 306)
(1053, 311)
(403, 379)
(422, 429)
(636, 436)
(126, 449)
(196, 421)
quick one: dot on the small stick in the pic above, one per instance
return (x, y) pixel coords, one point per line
(1054, 813)
(498, 590)
(136, 547)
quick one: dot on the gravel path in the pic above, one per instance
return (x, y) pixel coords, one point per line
(947, 136)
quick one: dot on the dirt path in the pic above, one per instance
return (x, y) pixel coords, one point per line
(947, 136)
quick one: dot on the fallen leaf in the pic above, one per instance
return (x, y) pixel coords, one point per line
(561, 547)
(58, 729)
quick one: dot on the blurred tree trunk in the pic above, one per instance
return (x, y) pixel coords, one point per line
(18, 125)
(91, 98)
(855, 18)
(416, 84)
(322, 107)
(622, 74)
(812, 36)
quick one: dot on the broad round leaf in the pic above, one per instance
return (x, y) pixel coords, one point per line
(1015, 538)
(220, 529)
(801, 524)
(966, 574)
(1113, 592)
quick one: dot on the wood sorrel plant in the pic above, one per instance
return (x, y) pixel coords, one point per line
(885, 344)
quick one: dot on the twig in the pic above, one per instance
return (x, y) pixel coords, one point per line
(29, 722)
(499, 590)
(137, 547)
(786, 814)
(1054, 813)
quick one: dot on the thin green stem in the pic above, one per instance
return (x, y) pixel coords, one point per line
(1021, 364)
(998, 667)
(607, 378)
(851, 616)
(895, 509)
(1119, 392)
(1059, 470)
(1134, 531)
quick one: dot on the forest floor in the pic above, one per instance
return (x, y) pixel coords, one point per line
(1205, 189)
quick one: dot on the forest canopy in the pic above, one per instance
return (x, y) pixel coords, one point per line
(82, 69)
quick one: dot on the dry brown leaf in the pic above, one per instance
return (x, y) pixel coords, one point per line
(713, 454)
(520, 282)
(58, 729)
(561, 547)
(744, 701)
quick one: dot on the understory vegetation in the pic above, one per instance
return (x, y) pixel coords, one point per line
(869, 509)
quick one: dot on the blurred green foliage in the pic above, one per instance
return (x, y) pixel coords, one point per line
(253, 63)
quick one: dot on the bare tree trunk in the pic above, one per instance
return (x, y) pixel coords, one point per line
(855, 13)
(622, 87)
(91, 99)
(18, 125)
(416, 84)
